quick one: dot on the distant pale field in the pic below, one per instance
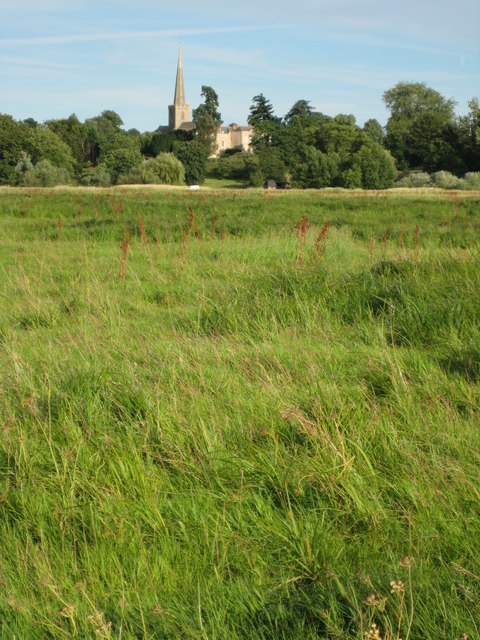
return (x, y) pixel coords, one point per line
(239, 414)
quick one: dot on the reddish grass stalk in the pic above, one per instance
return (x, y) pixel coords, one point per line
(301, 227)
(187, 233)
(402, 243)
(385, 238)
(417, 245)
(184, 246)
(402, 239)
(120, 207)
(124, 246)
(320, 245)
(143, 236)
(78, 208)
(50, 195)
(191, 220)
(59, 227)
(157, 237)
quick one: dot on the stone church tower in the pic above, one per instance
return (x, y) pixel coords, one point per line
(178, 112)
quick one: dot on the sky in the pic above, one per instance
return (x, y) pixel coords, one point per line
(59, 57)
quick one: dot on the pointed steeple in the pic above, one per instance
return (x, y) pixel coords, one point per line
(179, 98)
(179, 112)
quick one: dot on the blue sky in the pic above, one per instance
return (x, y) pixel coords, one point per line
(59, 57)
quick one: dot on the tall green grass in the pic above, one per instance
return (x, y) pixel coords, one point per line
(241, 448)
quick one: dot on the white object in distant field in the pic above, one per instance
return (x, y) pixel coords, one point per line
(194, 187)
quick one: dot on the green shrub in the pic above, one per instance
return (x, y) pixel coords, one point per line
(167, 168)
(98, 177)
(238, 166)
(45, 174)
(445, 180)
(414, 180)
(23, 166)
(471, 180)
(164, 169)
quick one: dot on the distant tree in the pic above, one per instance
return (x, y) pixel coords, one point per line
(417, 127)
(261, 111)
(314, 169)
(43, 144)
(469, 136)
(207, 118)
(23, 166)
(347, 119)
(31, 122)
(372, 166)
(209, 107)
(374, 131)
(74, 134)
(103, 134)
(161, 143)
(301, 108)
(109, 119)
(268, 133)
(167, 168)
(271, 165)
(120, 161)
(13, 136)
(238, 166)
(193, 156)
(336, 152)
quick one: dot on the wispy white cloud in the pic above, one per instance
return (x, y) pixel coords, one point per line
(34, 62)
(107, 36)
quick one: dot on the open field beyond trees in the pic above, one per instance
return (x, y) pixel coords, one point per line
(239, 414)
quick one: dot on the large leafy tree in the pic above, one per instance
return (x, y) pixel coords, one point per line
(13, 135)
(209, 106)
(73, 133)
(419, 126)
(38, 142)
(103, 134)
(120, 161)
(301, 108)
(207, 118)
(261, 111)
(193, 156)
(43, 144)
(468, 128)
(374, 130)
(335, 152)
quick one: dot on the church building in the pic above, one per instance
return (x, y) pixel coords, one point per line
(179, 113)
(179, 117)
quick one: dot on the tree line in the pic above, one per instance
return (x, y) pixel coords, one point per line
(304, 148)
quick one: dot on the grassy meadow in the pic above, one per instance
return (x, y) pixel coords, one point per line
(239, 414)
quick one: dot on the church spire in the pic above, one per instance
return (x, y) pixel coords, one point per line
(179, 112)
(179, 98)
